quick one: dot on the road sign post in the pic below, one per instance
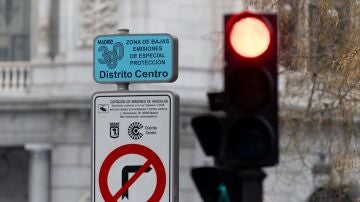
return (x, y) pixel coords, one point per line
(135, 146)
(135, 134)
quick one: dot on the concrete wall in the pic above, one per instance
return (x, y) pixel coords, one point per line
(71, 171)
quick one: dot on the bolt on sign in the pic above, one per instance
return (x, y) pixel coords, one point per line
(135, 152)
(129, 58)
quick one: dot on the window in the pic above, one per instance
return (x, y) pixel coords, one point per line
(14, 30)
(14, 162)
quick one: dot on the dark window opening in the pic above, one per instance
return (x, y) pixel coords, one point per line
(14, 30)
(14, 166)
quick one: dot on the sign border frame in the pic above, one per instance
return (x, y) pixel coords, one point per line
(174, 66)
(174, 137)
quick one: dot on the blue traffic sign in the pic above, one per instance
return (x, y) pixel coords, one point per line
(128, 58)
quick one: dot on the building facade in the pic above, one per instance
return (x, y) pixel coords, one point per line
(46, 85)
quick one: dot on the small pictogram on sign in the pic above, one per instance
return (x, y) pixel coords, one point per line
(134, 130)
(114, 129)
(103, 108)
(111, 57)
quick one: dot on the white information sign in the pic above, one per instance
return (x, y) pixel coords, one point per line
(135, 146)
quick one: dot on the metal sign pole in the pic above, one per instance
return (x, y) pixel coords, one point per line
(123, 86)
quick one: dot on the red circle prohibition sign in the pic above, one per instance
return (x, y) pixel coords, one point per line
(151, 159)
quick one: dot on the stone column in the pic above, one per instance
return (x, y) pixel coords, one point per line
(42, 30)
(39, 172)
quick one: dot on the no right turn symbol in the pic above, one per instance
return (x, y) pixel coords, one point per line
(152, 159)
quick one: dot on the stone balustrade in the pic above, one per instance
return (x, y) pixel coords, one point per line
(14, 76)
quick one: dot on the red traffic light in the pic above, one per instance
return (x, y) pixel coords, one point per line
(250, 54)
(249, 35)
(249, 133)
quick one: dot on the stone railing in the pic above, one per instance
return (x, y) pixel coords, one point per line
(14, 76)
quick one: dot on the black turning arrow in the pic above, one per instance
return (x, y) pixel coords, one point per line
(125, 176)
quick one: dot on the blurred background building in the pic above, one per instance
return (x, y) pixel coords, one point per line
(46, 84)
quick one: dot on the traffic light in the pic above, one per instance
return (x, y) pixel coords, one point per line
(249, 132)
(245, 138)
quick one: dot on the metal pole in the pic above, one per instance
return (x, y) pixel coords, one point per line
(252, 186)
(123, 86)
(245, 185)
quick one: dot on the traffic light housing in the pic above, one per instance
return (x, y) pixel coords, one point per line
(249, 134)
(207, 129)
(245, 137)
(207, 181)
